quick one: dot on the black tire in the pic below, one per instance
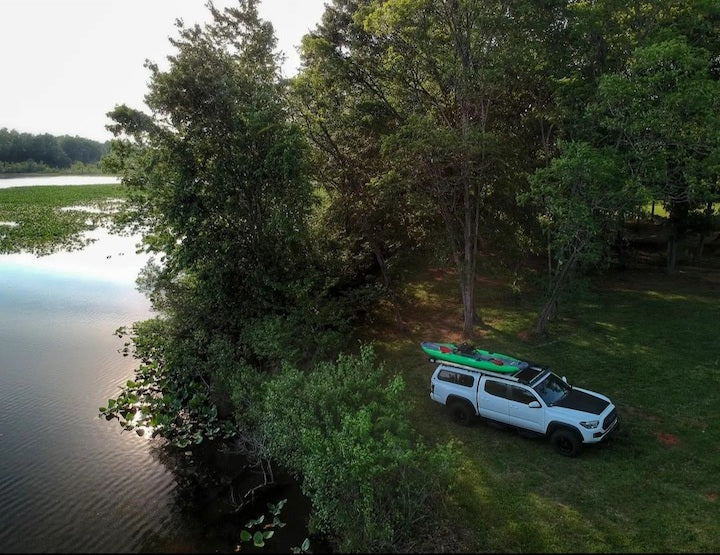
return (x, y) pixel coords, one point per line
(566, 442)
(461, 413)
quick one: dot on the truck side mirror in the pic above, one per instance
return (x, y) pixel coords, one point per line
(534, 404)
(564, 379)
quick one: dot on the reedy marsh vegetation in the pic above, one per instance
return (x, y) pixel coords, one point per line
(285, 211)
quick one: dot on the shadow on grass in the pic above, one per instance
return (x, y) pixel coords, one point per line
(647, 340)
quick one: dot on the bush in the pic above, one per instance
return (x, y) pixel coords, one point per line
(343, 429)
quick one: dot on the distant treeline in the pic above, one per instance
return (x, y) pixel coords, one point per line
(28, 153)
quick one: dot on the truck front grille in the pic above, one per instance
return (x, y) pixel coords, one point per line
(610, 419)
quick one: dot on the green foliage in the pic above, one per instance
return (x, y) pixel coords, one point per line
(581, 198)
(169, 394)
(303, 548)
(344, 429)
(368, 220)
(24, 152)
(267, 532)
(469, 100)
(664, 110)
(217, 179)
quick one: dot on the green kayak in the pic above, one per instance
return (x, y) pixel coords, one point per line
(469, 355)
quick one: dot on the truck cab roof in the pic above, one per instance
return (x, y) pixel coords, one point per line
(530, 375)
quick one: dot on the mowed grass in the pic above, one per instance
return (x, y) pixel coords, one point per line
(45, 219)
(648, 341)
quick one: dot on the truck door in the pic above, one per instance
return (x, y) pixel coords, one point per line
(493, 400)
(521, 414)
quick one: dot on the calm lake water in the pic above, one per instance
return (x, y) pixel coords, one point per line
(71, 481)
(58, 180)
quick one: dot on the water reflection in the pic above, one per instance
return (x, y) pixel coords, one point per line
(108, 258)
(70, 481)
(33, 180)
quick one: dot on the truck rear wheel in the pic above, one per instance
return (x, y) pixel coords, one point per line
(461, 413)
(566, 442)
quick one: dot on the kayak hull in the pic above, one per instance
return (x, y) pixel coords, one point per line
(473, 357)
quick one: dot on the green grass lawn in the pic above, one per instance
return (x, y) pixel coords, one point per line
(44, 219)
(648, 341)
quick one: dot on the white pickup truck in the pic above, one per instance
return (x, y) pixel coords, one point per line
(533, 399)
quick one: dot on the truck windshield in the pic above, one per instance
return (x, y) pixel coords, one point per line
(552, 389)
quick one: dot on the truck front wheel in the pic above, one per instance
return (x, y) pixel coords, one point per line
(566, 442)
(461, 413)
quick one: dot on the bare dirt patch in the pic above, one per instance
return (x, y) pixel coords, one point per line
(667, 439)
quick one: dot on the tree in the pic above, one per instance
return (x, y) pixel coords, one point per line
(369, 217)
(664, 111)
(452, 70)
(222, 188)
(20, 151)
(217, 180)
(578, 196)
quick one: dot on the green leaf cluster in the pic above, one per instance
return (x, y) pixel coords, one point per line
(267, 531)
(168, 395)
(579, 196)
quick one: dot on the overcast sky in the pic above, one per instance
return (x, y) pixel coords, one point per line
(65, 63)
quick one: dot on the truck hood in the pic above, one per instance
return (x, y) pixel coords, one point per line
(585, 401)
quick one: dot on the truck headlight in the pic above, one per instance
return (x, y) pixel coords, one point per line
(590, 424)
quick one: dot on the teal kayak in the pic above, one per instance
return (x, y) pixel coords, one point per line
(469, 355)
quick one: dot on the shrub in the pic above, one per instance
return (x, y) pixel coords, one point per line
(343, 429)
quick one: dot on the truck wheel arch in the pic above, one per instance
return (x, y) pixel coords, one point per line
(461, 410)
(565, 439)
(554, 426)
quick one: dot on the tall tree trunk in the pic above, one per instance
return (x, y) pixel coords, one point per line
(386, 282)
(469, 255)
(678, 232)
(470, 316)
(550, 308)
(672, 248)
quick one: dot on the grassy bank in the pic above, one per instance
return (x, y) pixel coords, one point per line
(648, 341)
(44, 219)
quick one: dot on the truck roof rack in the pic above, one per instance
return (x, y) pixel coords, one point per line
(537, 371)
(506, 376)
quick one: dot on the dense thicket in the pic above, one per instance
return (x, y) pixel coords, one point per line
(251, 295)
(454, 103)
(485, 130)
(25, 152)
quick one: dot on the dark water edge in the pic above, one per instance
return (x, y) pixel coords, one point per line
(210, 482)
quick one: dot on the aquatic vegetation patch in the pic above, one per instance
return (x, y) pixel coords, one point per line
(46, 219)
